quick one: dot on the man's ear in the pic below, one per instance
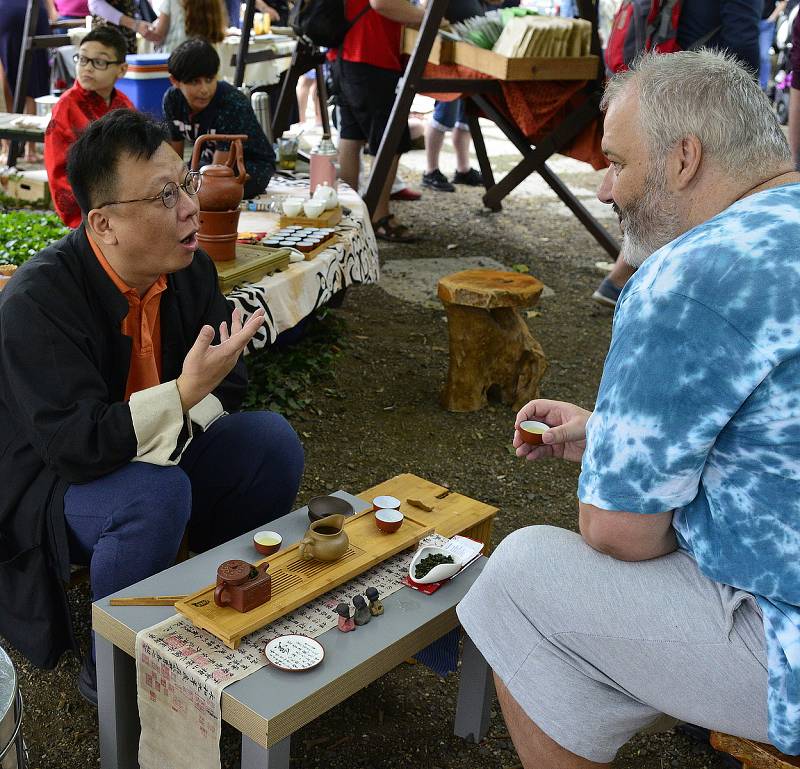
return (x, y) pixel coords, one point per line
(174, 81)
(99, 223)
(123, 68)
(684, 162)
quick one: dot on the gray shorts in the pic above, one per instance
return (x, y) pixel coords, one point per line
(595, 649)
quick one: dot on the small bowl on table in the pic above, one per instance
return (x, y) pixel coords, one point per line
(531, 431)
(323, 506)
(385, 502)
(267, 542)
(388, 520)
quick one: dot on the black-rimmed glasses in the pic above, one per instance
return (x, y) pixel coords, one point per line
(169, 195)
(100, 64)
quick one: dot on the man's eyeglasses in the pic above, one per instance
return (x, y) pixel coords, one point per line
(101, 64)
(169, 195)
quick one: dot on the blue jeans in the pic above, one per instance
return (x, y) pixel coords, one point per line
(241, 473)
(447, 114)
(766, 34)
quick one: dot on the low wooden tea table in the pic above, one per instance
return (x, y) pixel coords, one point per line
(269, 705)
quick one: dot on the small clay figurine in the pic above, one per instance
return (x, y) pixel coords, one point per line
(375, 605)
(346, 623)
(362, 615)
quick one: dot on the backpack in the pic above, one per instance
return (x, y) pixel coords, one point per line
(642, 25)
(645, 25)
(324, 21)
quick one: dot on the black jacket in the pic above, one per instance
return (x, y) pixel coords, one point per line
(63, 368)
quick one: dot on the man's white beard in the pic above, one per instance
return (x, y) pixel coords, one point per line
(650, 222)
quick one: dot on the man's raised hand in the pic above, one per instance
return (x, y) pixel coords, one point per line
(207, 364)
(566, 438)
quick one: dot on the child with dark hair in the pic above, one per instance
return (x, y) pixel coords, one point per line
(99, 63)
(200, 104)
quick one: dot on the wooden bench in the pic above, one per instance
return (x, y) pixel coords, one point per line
(752, 754)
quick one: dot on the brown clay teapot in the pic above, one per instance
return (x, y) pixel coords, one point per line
(222, 190)
(325, 540)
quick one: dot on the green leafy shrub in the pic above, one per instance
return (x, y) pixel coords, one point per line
(24, 233)
(286, 379)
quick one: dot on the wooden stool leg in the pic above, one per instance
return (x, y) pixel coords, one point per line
(490, 348)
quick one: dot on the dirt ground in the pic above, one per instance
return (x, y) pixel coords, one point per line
(380, 416)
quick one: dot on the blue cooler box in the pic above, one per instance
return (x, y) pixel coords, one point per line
(146, 81)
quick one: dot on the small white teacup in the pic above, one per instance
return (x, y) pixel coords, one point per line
(292, 206)
(313, 208)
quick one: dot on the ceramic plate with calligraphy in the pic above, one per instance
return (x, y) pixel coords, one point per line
(294, 652)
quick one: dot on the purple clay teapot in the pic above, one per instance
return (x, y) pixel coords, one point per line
(222, 190)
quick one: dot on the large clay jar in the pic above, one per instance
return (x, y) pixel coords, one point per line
(325, 540)
(222, 189)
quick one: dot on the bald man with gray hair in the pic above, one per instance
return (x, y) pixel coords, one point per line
(681, 594)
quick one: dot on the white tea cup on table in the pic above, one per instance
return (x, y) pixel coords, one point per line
(292, 206)
(313, 208)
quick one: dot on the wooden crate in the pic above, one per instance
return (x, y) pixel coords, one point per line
(441, 53)
(326, 219)
(251, 264)
(296, 582)
(539, 68)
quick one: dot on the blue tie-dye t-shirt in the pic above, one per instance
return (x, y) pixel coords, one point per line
(699, 412)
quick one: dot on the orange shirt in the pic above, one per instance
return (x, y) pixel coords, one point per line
(142, 324)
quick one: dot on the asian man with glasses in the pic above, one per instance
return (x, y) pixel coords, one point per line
(121, 383)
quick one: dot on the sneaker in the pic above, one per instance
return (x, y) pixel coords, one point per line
(472, 178)
(406, 194)
(87, 680)
(607, 293)
(436, 180)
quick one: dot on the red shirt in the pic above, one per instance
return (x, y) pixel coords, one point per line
(76, 108)
(373, 39)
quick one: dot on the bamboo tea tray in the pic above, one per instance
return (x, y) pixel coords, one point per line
(328, 218)
(251, 263)
(321, 247)
(296, 582)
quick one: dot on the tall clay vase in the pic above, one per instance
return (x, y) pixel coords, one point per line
(219, 197)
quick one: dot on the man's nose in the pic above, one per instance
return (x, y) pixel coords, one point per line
(188, 205)
(604, 190)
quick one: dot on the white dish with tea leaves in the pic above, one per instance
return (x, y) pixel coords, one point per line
(438, 573)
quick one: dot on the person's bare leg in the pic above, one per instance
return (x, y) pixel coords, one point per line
(303, 90)
(461, 140)
(31, 154)
(312, 94)
(350, 160)
(535, 749)
(620, 272)
(434, 140)
(382, 209)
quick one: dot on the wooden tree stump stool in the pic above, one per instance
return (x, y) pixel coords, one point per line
(753, 755)
(491, 349)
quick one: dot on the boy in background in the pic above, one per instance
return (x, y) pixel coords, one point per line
(99, 63)
(200, 104)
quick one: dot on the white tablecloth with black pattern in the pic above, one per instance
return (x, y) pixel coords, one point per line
(289, 296)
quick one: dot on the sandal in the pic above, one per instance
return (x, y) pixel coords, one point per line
(394, 233)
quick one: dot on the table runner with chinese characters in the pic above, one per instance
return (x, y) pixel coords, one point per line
(181, 670)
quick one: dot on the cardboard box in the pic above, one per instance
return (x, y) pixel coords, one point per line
(27, 186)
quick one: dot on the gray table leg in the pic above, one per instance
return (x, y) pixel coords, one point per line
(117, 712)
(256, 757)
(475, 690)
